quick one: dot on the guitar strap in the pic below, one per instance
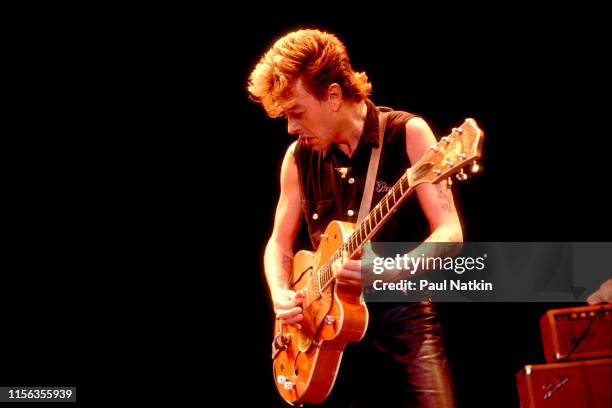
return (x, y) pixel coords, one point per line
(366, 199)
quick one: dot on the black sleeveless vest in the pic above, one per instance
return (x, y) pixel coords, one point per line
(332, 183)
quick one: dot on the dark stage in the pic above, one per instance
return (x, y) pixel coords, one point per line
(527, 88)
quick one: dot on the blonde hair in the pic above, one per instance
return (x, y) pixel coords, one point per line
(319, 58)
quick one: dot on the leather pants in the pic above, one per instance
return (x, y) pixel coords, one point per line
(400, 362)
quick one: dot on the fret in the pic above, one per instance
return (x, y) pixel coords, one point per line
(394, 198)
(404, 183)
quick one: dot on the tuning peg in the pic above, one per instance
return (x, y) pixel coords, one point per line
(475, 167)
(458, 130)
(461, 176)
(449, 183)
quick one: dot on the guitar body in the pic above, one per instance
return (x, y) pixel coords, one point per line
(306, 361)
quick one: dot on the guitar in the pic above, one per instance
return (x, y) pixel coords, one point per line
(306, 361)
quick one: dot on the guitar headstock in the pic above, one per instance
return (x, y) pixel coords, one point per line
(450, 155)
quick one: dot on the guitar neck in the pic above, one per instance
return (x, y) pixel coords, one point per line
(366, 229)
(449, 155)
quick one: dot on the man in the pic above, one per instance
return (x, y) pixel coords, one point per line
(306, 77)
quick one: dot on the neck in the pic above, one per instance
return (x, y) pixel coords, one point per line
(351, 127)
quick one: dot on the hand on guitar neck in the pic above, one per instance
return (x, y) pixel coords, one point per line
(347, 271)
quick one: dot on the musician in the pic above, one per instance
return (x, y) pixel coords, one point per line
(306, 78)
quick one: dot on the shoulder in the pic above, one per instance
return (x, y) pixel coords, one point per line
(417, 130)
(290, 153)
(288, 168)
(419, 137)
(292, 147)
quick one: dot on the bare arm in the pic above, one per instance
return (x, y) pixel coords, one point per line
(278, 256)
(435, 199)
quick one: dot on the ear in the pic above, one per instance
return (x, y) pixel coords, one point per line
(334, 94)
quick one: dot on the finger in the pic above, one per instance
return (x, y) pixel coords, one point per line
(346, 273)
(286, 314)
(289, 304)
(593, 299)
(352, 265)
(294, 319)
(350, 278)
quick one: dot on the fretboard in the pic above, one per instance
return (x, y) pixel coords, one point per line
(363, 232)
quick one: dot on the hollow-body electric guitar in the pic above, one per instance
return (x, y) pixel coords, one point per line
(306, 361)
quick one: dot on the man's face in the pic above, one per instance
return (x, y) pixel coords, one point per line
(308, 118)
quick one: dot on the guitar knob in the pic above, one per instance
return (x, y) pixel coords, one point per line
(281, 379)
(475, 167)
(288, 385)
(461, 176)
(329, 319)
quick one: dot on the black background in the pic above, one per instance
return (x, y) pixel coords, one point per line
(135, 257)
(529, 82)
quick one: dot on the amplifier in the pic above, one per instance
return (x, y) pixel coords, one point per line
(577, 333)
(575, 384)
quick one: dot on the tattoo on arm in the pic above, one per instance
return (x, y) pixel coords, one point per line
(287, 262)
(444, 196)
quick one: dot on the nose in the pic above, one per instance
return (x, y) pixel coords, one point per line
(292, 126)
